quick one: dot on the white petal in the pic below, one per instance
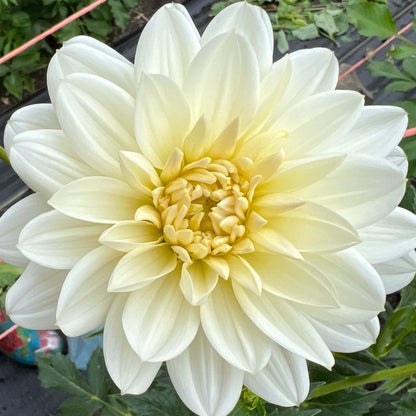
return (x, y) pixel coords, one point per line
(285, 325)
(83, 54)
(348, 338)
(31, 301)
(300, 173)
(162, 118)
(46, 160)
(31, 117)
(97, 199)
(397, 273)
(376, 133)
(313, 71)
(128, 371)
(141, 266)
(292, 279)
(360, 291)
(284, 381)
(389, 238)
(198, 280)
(127, 235)
(84, 301)
(314, 228)
(314, 122)
(98, 117)
(57, 241)
(249, 21)
(231, 333)
(12, 223)
(223, 82)
(167, 44)
(362, 189)
(398, 157)
(204, 381)
(158, 321)
(244, 273)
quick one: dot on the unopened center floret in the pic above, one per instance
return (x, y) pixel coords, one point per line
(204, 210)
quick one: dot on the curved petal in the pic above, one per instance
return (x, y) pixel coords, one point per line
(57, 241)
(377, 132)
(398, 157)
(204, 381)
(98, 117)
(158, 321)
(31, 301)
(313, 71)
(295, 280)
(167, 44)
(397, 273)
(389, 238)
(314, 122)
(231, 333)
(142, 266)
(360, 291)
(251, 22)
(223, 82)
(284, 381)
(31, 117)
(84, 301)
(362, 189)
(46, 161)
(244, 273)
(83, 54)
(98, 199)
(349, 337)
(12, 223)
(162, 118)
(288, 327)
(128, 235)
(128, 371)
(198, 280)
(314, 228)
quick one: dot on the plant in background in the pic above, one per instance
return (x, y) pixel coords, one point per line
(231, 217)
(20, 21)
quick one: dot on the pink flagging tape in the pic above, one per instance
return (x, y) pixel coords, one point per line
(9, 331)
(53, 29)
(410, 132)
(369, 56)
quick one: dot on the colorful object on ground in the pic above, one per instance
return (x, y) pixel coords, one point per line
(24, 345)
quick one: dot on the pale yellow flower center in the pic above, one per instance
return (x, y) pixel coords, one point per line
(204, 209)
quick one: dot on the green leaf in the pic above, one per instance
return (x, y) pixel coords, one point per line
(8, 273)
(406, 406)
(410, 107)
(121, 16)
(357, 402)
(14, 84)
(59, 372)
(306, 32)
(97, 375)
(79, 406)
(326, 22)
(282, 43)
(3, 156)
(20, 19)
(388, 70)
(100, 28)
(402, 51)
(372, 19)
(296, 411)
(130, 3)
(409, 65)
(400, 86)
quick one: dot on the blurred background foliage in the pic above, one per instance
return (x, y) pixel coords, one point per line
(21, 20)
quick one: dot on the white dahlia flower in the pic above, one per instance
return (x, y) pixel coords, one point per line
(229, 215)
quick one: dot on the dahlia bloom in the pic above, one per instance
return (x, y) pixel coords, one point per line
(229, 215)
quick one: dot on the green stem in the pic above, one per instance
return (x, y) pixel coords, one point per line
(354, 381)
(405, 40)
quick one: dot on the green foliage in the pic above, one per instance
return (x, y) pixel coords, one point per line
(8, 275)
(310, 19)
(20, 21)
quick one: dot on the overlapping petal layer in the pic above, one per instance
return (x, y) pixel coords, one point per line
(230, 216)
